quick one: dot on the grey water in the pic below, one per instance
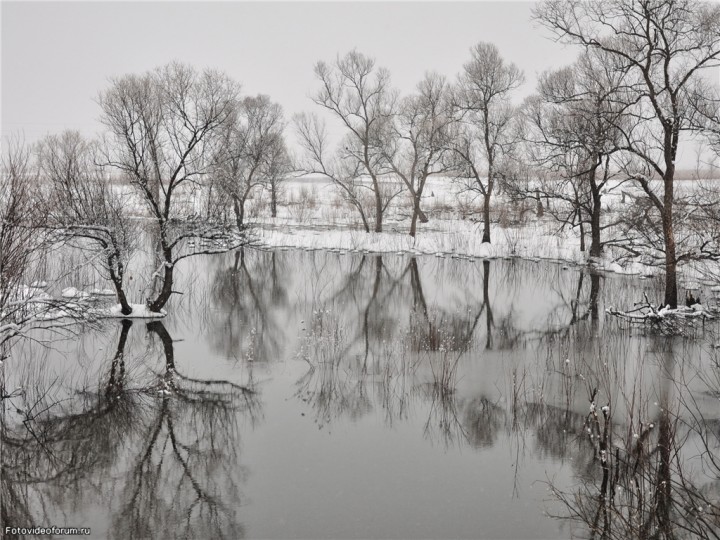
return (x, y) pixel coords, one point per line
(293, 394)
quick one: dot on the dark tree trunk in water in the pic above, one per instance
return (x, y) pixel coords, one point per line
(158, 328)
(117, 368)
(366, 316)
(666, 447)
(486, 302)
(419, 304)
(594, 294)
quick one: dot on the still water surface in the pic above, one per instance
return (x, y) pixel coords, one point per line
(295, 394)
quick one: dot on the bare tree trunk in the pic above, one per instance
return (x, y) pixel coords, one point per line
(540, 211)
(582, 230)
(595, 244)
(116, 278)
(359, 208)
(486, 217)
(166, 290)
(378, 207)
(417, 214)
(239, 208)
(596, 209)
(670, 262)
(273, 200)
(669, 233)
(125, 308)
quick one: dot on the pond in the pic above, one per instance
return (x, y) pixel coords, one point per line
(308, 394)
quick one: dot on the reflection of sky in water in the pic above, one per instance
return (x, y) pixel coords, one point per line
(350, 433)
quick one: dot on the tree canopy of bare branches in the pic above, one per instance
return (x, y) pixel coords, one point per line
(165, 127)
(359, 94)
(253, 153)
(663, 45)
(485, 135)
(21, 239)
(572, 128)
(83, 209)
(420, 139)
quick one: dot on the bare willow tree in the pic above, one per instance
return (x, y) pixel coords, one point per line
(705, 199)
(82, 208)
(705, 103)
(21, 239)
(359, 94)
(252, 154)
(280, 165)
(663, 44)
(420, 139)
(344, 173)
(573, 127)
(164, 129)
(485, 135)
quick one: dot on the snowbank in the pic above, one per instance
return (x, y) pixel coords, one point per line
(139, 311)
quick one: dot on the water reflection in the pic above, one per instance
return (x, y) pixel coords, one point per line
(158, 449)
(398, 367)
(248, 296)
(656, 477)
(471, 363)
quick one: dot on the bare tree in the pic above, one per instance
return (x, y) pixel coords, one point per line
(420, 141)
(279, 167)
(21, 239)
(663, 44)
(360, 96)
(482, 100)
(705, 103)
(83, 209)
(345, 174)
(253, 153)
(573, 127)
(164, 129)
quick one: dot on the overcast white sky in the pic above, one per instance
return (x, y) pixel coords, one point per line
(57, 56)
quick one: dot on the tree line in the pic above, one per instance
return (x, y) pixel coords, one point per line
(189, 148)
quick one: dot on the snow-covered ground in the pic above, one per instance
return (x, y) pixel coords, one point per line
(312, 215)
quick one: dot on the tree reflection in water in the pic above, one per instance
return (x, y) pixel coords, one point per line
(655, 476)
(630, 487)
(249, 292)
(387, 365)
(160, 450)
(445, 346)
